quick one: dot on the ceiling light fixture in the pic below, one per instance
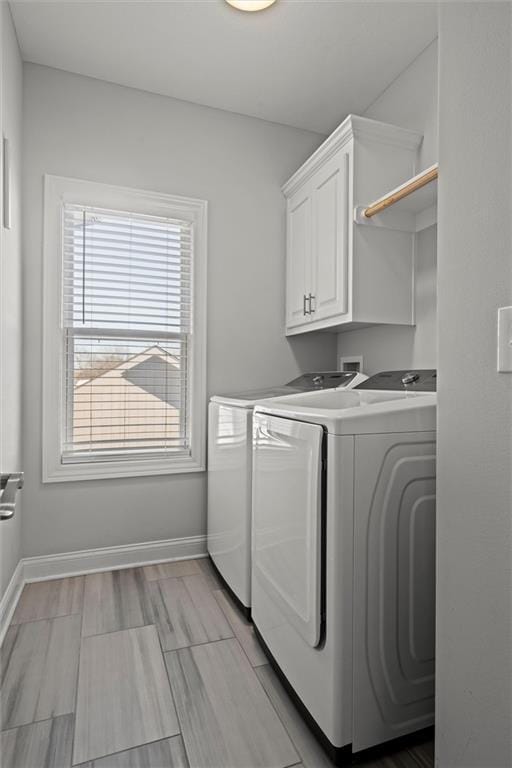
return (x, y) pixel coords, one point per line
(251, 5)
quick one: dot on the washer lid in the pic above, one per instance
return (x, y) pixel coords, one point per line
(307, 382)
(247, 399)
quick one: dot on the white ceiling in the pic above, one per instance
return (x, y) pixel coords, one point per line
(305, 63)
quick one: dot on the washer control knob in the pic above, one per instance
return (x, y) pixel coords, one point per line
(410, 378)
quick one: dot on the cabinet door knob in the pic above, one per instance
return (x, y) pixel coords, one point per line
(304, 310)
(311, 298)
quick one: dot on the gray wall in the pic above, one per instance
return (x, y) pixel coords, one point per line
(11, 344)
(85, 128)
(410, 101)
(474, 479)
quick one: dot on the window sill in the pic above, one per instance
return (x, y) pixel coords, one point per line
(118, 469)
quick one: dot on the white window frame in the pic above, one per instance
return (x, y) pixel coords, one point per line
(58, 191)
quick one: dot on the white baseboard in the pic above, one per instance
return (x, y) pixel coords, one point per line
(47, 567)
(112, 558)
(10, 599)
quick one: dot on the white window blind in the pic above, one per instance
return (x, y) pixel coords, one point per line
(127, 320)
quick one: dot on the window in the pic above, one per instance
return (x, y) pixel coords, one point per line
(124, 351)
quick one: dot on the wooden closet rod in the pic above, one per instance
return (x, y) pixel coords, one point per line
(406, 189)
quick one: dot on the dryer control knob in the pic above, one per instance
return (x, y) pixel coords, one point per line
(410, 378)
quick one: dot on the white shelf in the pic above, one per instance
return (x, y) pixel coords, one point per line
(408, 208)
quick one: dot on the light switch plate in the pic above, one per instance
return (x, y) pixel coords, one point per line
(505, 339)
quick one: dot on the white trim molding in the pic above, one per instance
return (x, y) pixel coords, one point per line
(47, 567)
(10, 599)
(352, 126)
(57, 192)
(112, 558)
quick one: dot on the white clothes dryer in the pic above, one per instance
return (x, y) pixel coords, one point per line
(343, 566)
(230, 474)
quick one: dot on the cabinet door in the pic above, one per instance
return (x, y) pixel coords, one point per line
(330, 204)
(298, 260)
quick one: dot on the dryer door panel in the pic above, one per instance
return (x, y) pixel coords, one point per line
(394, 585)
(287, 526)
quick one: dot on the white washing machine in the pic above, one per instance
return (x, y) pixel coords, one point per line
(230, 474)
(343, 579)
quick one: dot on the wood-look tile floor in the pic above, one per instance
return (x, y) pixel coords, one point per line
(148, 667)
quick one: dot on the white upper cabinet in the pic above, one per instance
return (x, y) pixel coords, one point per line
(340, 274)
(330, 238)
